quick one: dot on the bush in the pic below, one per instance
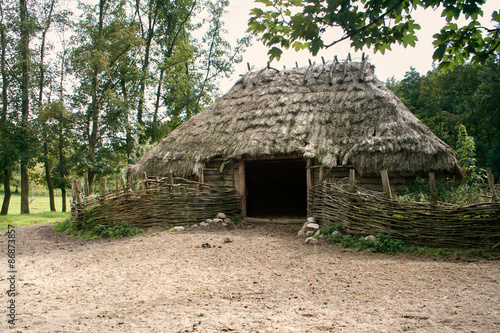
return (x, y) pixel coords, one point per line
(89, 229)
(386, 244)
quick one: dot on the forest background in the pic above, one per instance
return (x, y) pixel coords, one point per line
(88, 90)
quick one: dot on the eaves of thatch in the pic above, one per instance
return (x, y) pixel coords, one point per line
(338, 114)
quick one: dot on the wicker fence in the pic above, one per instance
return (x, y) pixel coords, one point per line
(365, 212)
(157, 202)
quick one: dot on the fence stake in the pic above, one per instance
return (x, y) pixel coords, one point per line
(433, 188)
(102, 190)
(352, 180)
(86, 186)
(144, 178)
(386, 184)
(491, 181)
(79, 191)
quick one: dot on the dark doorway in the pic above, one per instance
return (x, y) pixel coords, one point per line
(276, 188)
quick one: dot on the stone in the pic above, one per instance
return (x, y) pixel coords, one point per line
(310, 220)
(203, 224)
(311, 240)
(217, 220)
(195, 225)
(372, 238)
(221, 216)
(224, 224)
(310, 233)
(301, 233)
(312, 226)
(227, 220)
(335, 233)
(179, 228)
(317, 233)
(209, 221)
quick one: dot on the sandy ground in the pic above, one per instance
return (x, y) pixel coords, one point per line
(264, 280)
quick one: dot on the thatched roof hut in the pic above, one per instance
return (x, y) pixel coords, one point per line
(334, 115)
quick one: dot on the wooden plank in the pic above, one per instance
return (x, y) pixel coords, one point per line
(321, 175)
(242, 187)
(274, 220)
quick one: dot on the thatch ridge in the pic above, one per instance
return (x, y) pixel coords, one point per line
(315, 112)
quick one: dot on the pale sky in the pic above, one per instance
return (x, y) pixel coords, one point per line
(392, 63)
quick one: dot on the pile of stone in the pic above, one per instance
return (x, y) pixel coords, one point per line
(310, 230)
(220, 219)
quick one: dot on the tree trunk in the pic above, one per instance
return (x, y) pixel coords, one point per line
(93, 125)
(7, 193)
(25, 58)
(48, 177)
(3, 121)
(63, 195)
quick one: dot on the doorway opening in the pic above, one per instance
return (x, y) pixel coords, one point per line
(276, 188)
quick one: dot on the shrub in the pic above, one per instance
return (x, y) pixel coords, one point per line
(89, 229)
(386, 244)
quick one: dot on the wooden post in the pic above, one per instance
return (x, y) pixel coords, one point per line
(308, 184)
(117, 183)
(73, 191)
(321, 174)
(78, 191)
(102, 189)
(386, 184)
(491, 181)
(352, 180)
(144, 179)
(242, 187)
(86, 187)
(433, 188)
(124, 184)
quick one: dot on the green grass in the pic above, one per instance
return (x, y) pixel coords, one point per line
(39, 212)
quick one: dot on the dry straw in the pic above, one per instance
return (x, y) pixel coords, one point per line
(338, 114)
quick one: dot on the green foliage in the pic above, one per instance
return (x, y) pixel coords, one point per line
(467, 96)
(448, 192)
(375, 23)
(466, 150)
(90, 229)
(386, 244)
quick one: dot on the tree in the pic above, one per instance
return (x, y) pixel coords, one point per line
(378, 24)
(104, 40)
(466, 96)
(25, 58)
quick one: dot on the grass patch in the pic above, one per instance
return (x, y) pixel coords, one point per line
(39, 212)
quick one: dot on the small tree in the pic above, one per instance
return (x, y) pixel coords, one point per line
(466, 149)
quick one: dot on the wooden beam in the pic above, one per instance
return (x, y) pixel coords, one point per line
(274, 220)
(242, 187)
(309, 183)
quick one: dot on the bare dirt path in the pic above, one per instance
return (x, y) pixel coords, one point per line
(265, 280)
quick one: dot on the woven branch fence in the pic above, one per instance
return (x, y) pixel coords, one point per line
(364, 212)
(158, 202)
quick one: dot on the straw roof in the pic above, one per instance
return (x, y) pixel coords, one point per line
(339, 114)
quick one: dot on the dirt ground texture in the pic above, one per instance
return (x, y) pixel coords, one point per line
(265, 280)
